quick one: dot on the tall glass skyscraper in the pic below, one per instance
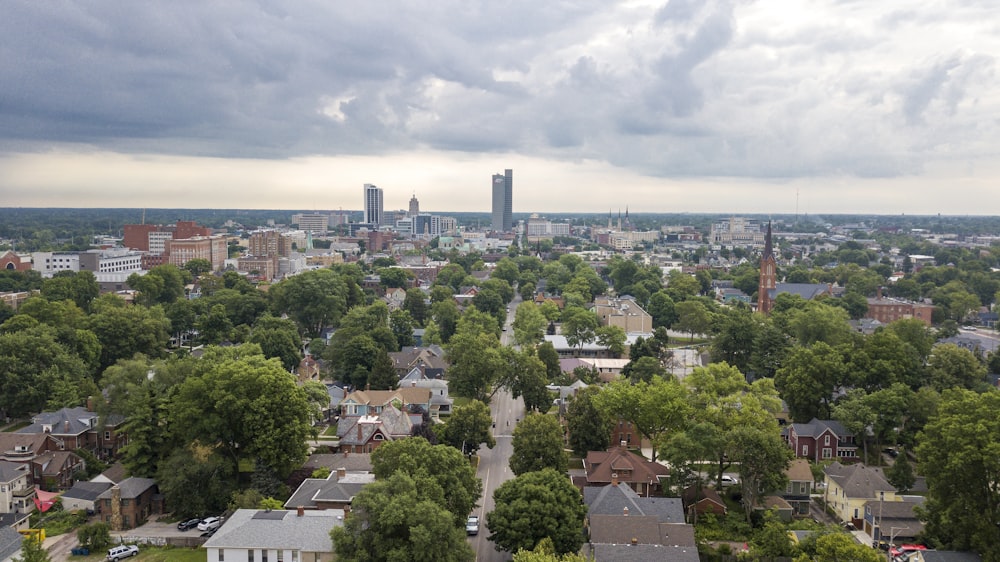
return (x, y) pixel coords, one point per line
(373, 204)
(503, 193)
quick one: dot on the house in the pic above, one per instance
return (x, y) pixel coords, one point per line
(10, 544)
(51, 466)
(336, 491)
(17, 492)
(619, 465)
(129, 503)
(372, 402)
(778, 505)
(429, 360)
(252, 535)
(894, 521)
(77, 428)
(821, 440)
(308, 369)
(800, 486)
(622, 525)
(16, 521)
(83, 496)
(944, 556)
(849, 487)
(363, 434)
(699, 501)
(113, 475)
(394, 298)
(440, 404)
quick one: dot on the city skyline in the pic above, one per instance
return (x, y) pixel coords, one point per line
(669, 106)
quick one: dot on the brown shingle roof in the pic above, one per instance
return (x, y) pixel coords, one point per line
(628, 466)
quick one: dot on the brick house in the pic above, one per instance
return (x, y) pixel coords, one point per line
(79, 428)
(619, 465)
(129, 503)
(821, 440)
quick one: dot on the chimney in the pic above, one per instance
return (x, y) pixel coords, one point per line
(66, 425)
(614, 478)
(90, 403)
(635, 541)
(625, 511)
(341, 472)
(878, 292)
(300, 511)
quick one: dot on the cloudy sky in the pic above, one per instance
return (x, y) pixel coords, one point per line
(815, 106)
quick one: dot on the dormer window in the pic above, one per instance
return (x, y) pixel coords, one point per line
(47, 428)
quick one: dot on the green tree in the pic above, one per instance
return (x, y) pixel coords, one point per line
(80, 287)
(125, 330)
(534, 506)
(440, 470)
(395, 277)
(279, 338)
(468, 427)
(529, 324)
(763, 457)
(772, 539)
(32, 551)
(579, 326)
(214, 327)
(538, 444)
(808, 378)
(383, 374)
(314, 299)
(661, 308)
(589, 428)
(654, 408)
(692, 317)
(818, 322)
(644, 369)
(612, 338)
(841, 547)
(33, 364)
(950, 366)
(401, 324)
(900, 474)
(198, 267)
(415, 303)
(95, 536)
(545, 551)
(733, 337)
(247, 406)
(959, 454)
(396, 518)
(196, 480)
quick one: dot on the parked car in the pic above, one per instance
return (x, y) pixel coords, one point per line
(472, 525)
(188, 524)
(209, 524)
(728, 480)
(123, 551)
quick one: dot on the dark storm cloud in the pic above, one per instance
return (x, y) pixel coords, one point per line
(677, 88)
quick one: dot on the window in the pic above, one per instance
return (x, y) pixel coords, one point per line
(826, 439)
(263, 556)
(250, 555)
(107, 436)
(295, 556)
(222, 555)
(827, 453)
(805, 450)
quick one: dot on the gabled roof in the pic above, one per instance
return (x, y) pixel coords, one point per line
(354, 462)
(11, 445)
(87, 491)
(391, 422)
(10, 471)
(858, 480)
(816, 427)
(131, 488)
(691, 494)
(644, 553)
(629, 467)
(645, 529)
(67, 421)
(798, 471)
(406, 395)
(949, 556)
(613, 500)
(278, 530)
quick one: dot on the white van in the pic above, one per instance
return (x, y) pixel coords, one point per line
(124, 551)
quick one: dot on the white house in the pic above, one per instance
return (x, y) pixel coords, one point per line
(253, 535)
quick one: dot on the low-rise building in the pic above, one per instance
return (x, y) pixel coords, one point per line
(129, 503)
(252, 535)
(850, 487)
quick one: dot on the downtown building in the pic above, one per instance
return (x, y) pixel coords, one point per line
(503, 194)
(374, 210)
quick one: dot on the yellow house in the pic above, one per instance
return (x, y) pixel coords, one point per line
(848, 487)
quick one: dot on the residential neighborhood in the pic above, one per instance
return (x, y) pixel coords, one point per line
(738, 388)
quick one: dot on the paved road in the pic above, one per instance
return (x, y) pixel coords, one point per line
(494, 469)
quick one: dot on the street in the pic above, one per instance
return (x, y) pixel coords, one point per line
(493, 463)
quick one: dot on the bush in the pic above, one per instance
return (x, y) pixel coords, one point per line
(95, 536)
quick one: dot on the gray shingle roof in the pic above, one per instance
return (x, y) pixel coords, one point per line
(309, 532)
(644, 553)
(612, 500)
(130, 487)
(858, 480)
(331, 489)
(88, 491)
(10, 471)
(10, 542)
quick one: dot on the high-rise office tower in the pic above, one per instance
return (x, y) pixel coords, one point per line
(503, 191)
(414, 206)
(373, 204)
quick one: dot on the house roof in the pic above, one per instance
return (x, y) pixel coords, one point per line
(53, 462)
(10, 542)
(949, 556)
(799, 471)
(777, 502)
(352, 462)
(612, 500)
(391, 422)
(644, 553)
(628, 466)
(407, 395)
(10, 471)
(808, 291)
(691, 494)
(274, 530)
(68, 421)
(644, 529)
(114, 474)
(330, 489)
(816, 427)
(131, 488)
(11, 442)
(858, 480)
(87, 491)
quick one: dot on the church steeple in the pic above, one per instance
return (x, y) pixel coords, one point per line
(768, 275)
